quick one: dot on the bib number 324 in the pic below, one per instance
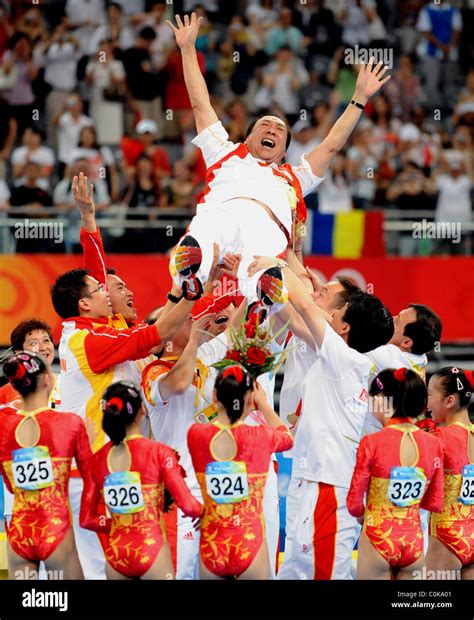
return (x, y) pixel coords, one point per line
(32, 468)
(123, 492)
(466, 496)
(407, 486)
(227, 482)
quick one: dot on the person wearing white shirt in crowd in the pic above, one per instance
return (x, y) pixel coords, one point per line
(454, 205)
(132, 7)
(69, 122)
(303, 140)
(59, 57)
(33, 150)
(105, 74)
(83, 18)
(115, 30)
(334, 195)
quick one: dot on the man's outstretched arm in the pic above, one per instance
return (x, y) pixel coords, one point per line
(369, 81)
(185, 35)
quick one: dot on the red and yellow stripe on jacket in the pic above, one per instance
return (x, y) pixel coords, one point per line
(95, 353)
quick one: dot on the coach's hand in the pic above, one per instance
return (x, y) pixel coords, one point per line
(83, 194)
(186, 34)
(370, 80)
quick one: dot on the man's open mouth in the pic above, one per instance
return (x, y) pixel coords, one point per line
(221, 319)
(268, 142)
(130, 303)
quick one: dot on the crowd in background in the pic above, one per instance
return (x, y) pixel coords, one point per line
(98, 87)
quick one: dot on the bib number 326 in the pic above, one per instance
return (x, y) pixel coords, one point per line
(226, 481)
(32, 468)
(466, 496)
(407, 486)
(123, 492)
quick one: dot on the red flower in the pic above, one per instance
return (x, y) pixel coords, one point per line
(256, 356)
(234, 356)
(250, 330)
(427, 424)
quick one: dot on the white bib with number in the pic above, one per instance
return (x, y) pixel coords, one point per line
(226, 481)
(407, 486)
(466, 496)
(32, 468)
(123, 492)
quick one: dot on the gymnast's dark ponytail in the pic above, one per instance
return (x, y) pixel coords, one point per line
(121, 402)
(456, 381)
(22, 371)
(405, 388)
(232, 385)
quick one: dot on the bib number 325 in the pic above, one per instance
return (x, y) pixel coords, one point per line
(466, 496)
(32, 468)
(227, 482)
(123, 492)
(407, 486)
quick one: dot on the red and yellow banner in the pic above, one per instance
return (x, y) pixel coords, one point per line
(442, 283)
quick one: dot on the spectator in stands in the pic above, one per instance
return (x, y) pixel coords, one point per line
(362, 167)
(411, 190)
(404, 89)
(179, 190)
(342, 76)
(132, 7)
(144, 84)
(101, 160)
(284, 78)
(385, 127)
(83, 18)
(32, 24)
(454, 203)
(8, 132)
(29, 193)
(4, 197)
(303, 139)
(321, 34)
(6, 30)
(355, 22)
(144, 143)
(59, 56)
(69, 121)
(284, 34)
(114, 30)
(262, 17)
(106, 77)
(465, 104)
(440, 25)
(164, 39)
(334, 194)
(33, 150)
(63, 198)
(17, 64)
(238, 122)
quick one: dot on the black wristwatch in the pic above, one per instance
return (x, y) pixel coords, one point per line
(357, 104)
(174, 299)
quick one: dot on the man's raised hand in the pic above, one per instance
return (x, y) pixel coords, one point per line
(186, 33)
(370, 79)
(83, 195)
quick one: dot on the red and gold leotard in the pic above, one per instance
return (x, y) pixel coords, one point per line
(135, 533)
(232, 528)
(454, 525)
(38, 476)
(396, 493)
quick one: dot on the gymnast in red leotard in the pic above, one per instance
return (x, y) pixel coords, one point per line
(231, 460)
(124, 502)
(451, 546)
(37, 445)
(400, 468)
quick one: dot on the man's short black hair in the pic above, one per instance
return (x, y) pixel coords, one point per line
(425, 332)
(67, 291)
(253, 123)
(349, 288)
(370, 321)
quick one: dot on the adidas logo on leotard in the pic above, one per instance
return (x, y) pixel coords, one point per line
(188, 536)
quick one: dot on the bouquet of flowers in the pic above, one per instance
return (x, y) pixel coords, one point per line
(250, 349)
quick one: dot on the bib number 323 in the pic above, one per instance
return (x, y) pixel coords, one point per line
(123, 492)
(407, 486)
(32, 468)
(466, 496)
(226, 481)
